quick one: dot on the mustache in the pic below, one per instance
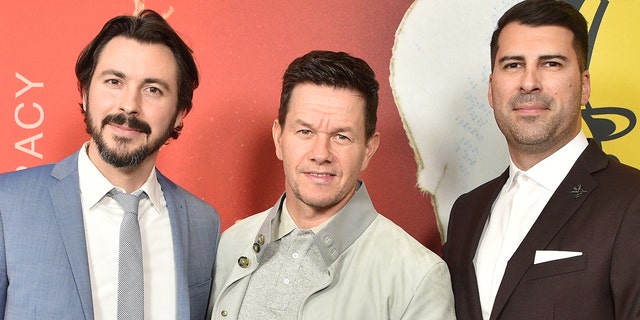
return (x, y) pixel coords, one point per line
(537, 98)
(130, 121)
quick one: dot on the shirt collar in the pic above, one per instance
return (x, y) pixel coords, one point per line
(94, 186)
(336, 234)
(286, 224)
(550, 172)
(153, 190)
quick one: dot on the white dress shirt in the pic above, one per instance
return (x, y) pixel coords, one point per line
(514, 212)
(102, 217)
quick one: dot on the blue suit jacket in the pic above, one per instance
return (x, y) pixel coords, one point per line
(44, 272)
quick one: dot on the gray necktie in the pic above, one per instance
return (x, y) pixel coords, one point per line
(130, 271)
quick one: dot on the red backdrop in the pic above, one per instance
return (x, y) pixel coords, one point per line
(225, 154)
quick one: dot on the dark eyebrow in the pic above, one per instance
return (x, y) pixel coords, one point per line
(121, 75)
(553, 56)
(114, 73)
(515, 58)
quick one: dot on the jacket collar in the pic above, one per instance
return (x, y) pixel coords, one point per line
(338, 235)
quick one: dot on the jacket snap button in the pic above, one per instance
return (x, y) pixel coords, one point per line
(261, 239)
(243, 262)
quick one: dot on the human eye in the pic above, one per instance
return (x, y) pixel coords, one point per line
(154, 91)
(511, 65)
(304, 132)
(342, 138)
(113, 82)
(552, 64)
(554, 61)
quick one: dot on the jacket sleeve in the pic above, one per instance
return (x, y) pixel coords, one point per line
(625, 263)
(434, 298)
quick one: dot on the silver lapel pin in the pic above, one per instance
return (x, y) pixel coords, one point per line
(577, 191)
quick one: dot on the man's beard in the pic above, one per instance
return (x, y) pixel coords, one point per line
(130, 159)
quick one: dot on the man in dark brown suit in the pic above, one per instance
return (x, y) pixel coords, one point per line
(557, 235)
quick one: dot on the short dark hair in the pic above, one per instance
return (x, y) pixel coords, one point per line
(337, 69)
(536, 13)
(150, 28)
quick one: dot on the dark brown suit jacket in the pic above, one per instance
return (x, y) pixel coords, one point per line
(602, 222)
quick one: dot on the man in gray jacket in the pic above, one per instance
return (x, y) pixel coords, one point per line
(323, 251)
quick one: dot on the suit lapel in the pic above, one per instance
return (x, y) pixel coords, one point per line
(179, 221)
(485, 203)
(67, 207)
(562, 205)
(477, 224)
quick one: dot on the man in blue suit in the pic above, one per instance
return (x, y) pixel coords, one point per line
(60, 223)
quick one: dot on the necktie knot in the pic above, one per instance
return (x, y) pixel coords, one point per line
(127, 201)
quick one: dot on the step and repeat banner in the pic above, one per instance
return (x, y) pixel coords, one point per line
(438, 138)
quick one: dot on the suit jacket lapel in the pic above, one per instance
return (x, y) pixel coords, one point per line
(179, 221)
(67, 207)
(562, 205)
(485, 203)
(477, 224)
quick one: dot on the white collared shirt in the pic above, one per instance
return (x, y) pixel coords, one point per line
(102, 217)
(510, 221)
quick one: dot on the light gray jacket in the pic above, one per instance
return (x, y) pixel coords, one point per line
(377, 270)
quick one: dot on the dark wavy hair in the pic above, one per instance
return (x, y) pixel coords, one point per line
(150, 28)
(536, 13)
(337, 69)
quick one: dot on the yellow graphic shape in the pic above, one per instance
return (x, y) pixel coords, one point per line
(615, 77)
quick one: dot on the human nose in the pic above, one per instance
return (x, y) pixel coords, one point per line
(530, 81)
(321, 150)
(130, 102)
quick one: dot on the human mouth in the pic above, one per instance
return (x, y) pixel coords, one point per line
(123, 128)
(530, 108)
(530, 102)
(320, 176)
